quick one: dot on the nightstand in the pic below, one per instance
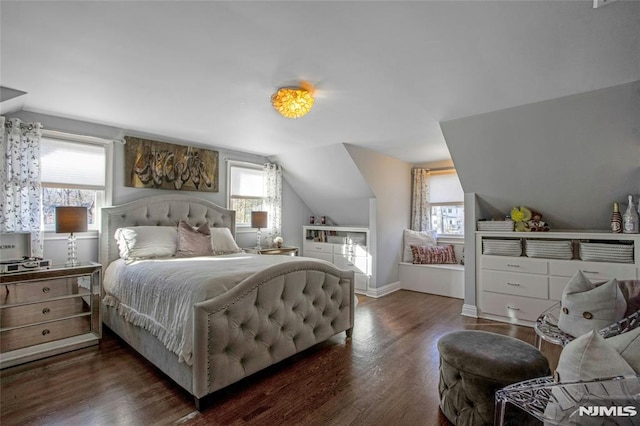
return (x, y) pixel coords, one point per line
(287, 251)
(49, 311)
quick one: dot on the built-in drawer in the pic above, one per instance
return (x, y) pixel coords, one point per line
(514, 307)
(23, 337)
(35, 291)
(352, 263)
(515, 264)
(528, 285)
(318, 247)
(350, 250)
(319, 255)
(593, 270)
(44, 311)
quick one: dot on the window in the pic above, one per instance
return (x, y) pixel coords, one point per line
(446, 201)
(246, 190)
(74, 173)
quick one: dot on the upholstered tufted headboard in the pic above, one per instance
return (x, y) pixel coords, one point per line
(160, 210)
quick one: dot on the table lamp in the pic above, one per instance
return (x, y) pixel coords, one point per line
(259, 220)
(71, 219)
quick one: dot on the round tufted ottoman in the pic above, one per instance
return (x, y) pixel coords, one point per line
(474, 365)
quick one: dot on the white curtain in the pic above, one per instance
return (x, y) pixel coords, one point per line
(273, 203)
(420, 209)
(20, 193)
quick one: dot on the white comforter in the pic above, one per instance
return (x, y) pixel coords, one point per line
(158, 294)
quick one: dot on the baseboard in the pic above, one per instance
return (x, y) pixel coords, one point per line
(469, 311)
(384, 290)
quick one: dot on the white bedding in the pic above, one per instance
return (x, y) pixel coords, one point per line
(158, 294)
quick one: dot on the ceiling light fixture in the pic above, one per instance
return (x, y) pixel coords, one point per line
(294, 102)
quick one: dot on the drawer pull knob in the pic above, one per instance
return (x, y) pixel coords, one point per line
(513, 265)
(46, 289)
(512, 308)
(514, 284)
(45, 331)
(591, 272)
(46, 311)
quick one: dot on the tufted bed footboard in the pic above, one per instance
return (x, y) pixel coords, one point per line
(269, 317)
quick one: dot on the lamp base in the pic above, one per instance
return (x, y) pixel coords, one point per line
(72, 251)
(259, 239)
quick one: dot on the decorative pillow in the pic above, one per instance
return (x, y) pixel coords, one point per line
(586, 358)
(193, 242)
(631, 291)
(628, 345)
(415, 238)
(433, 254)
(587, 307)
(145, 242)
(223, 242)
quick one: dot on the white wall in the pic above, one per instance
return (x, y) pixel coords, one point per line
(390, 181)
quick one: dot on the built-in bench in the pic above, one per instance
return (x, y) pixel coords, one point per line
(443, 280)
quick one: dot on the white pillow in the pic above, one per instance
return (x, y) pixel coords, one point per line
(223, 242)
(145, 242)
(416, 238)
(587, 307)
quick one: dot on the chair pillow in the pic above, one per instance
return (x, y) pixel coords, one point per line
(424, 255)
(223, 242)
(587, 307)
(628, 345)
(416, 238)
(193, 242)
(145, 242)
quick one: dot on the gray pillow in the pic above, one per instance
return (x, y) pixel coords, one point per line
(193, 242)
(587, 307)
(628, 345)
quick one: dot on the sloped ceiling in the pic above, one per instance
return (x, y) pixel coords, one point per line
(386, 72)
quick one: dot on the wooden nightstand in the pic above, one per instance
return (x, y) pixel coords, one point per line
(49, 311)
(287, 251)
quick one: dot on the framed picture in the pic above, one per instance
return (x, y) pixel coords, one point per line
(153, 164)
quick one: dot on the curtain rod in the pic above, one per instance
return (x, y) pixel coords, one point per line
(57, 134)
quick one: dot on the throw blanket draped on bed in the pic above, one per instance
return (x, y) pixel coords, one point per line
(159, 294)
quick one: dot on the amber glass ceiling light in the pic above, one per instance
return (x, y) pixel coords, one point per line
(294, 102)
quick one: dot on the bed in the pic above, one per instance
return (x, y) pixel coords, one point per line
(281, 305)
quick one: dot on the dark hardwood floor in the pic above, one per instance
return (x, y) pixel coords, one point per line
(386, 375)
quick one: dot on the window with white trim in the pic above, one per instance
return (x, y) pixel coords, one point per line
(246, 190)
(446, 202)
(74, 173)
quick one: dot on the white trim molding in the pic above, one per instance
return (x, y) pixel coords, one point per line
(469, 311)
(384, 290)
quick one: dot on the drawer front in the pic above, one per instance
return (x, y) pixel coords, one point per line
(352, 263)
(516, 307)
(42, 333)
(318, 255)
(360, 281)
(593, 270)
(528, 285)
(38, 312)
(38, 290)
(515, 264)
(310, 246)
(556, 286)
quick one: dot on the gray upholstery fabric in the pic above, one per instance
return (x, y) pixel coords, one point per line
(474, 365)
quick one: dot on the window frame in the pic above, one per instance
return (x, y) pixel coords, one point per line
(104, 196)
(241, 226)
(457, 203)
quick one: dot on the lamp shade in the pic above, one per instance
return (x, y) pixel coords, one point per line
(258, 219)
(71, 219)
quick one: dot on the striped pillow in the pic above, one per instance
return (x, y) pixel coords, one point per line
(424, 255)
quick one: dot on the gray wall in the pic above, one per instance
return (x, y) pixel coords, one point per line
(570, 157)
(390, 180)
(294, 214)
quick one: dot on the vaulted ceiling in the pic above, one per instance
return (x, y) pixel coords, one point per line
(387, 73)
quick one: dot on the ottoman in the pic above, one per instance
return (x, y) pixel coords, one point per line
(474, 365)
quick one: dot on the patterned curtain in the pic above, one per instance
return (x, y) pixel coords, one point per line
(420, 211)
(273, 203)
(20, 192)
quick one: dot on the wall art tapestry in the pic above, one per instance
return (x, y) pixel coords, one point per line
(153, 164)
